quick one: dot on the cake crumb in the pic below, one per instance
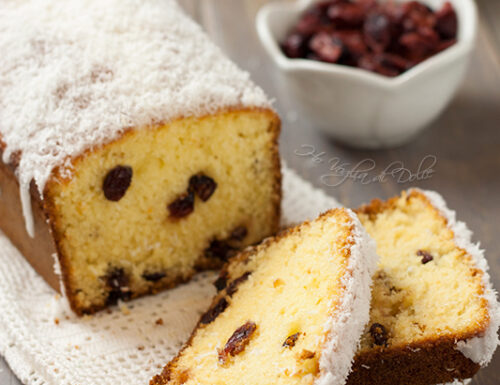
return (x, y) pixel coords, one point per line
(140, 347)
(56, 321)
(159, 321)
(124, 308)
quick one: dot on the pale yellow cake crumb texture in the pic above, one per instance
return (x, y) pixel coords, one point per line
(294, 287)
(416, 302)
(235, 149)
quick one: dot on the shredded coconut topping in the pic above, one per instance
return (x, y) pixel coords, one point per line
(345, 327)
(75, 74)
(479, 349)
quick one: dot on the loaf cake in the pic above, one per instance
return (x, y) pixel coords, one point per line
(289, 311)
(134, 152)
(434, 315)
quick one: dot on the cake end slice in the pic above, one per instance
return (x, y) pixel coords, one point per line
(434, 315)
(288, 311)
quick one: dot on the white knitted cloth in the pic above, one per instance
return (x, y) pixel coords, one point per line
(45, 344)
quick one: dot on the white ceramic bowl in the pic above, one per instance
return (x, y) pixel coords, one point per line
(361, 108)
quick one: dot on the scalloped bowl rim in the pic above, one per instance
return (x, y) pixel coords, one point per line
(462, 47)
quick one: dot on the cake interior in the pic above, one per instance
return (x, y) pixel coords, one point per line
(426, 288)
(292, 290)
(122, 248)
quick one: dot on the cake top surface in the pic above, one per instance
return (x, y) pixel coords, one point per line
(75, 74)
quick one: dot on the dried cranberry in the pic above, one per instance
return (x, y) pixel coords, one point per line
(377, 31)
(154, 277)
(353, 44)
(379, 334)
(117, 285)
(429, 35)
(239, 233)
(314, 19)
(220, 249)
(387, 37)
(238, 341)
(291, 340)
(221, 282)
(446, 21)
(326, 47)
(214, 311)
(182, 206)
(346, 15)
(203, 186)
(384, 64)
(233, 286)
(295, 45)
(322, 6)
(367, 5)
(426, 256)
(117, 182)
(394, 61)
(417, 47)
(415, 15)
(309, 24)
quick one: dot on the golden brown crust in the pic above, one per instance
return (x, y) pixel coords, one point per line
(276, 128)
(423, 363)
(39, 251)
(429, 361)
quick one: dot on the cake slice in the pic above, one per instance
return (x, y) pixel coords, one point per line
(289, 311)
(134, 152)
(434, 315)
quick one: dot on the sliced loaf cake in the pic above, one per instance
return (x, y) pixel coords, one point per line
(134, 153)
(434, 314)
(289, 311)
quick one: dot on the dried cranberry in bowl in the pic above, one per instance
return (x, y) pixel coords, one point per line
(383, 37)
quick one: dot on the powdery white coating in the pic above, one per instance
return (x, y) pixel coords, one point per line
(75, 74)
(479, 349)
(64, 307)
(345, 328)
(57, 266)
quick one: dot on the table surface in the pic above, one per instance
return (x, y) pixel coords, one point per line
(465, 140)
